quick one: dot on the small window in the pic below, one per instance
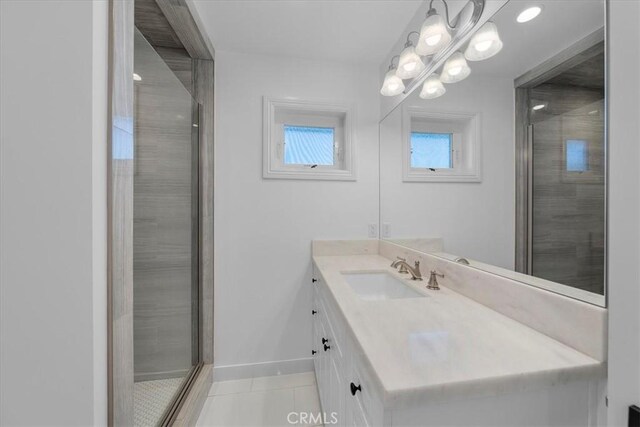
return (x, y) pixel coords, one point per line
(305, 145)
(440, 146)
(577, 155)
(431, 150)
(304, 140)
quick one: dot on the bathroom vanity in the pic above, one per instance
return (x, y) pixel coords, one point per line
(388, 351)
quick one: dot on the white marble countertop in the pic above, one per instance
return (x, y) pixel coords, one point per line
(446, 345)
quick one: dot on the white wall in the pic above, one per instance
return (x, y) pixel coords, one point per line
(264, 228)
(623, 289)
(476, 220)
(53, 213)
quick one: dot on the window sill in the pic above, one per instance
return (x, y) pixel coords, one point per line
(323, 175)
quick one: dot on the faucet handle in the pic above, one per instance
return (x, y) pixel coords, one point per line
(435, 273)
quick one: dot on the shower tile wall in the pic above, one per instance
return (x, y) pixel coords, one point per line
(162, 221)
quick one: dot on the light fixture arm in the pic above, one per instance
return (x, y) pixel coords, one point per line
(391, 66)
(409, 42)
(432, 11)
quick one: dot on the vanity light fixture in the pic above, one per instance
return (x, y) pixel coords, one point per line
(528, 14)
(434, 33)
(393, 85)
(432, 87)
(136, 77)
(455, 69)
(410, 65)
(484, 44)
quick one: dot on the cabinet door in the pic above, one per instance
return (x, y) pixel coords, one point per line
(355, 414)
(337, 392)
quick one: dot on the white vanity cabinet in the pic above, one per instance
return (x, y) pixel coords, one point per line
(352, 393)
(347, 394)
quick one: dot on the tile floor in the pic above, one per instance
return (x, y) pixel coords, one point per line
(151, 399)
(264, 401)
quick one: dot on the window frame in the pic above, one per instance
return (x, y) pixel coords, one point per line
(278, 113)
(466, 145)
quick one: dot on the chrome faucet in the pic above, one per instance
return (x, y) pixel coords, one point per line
(433, 280)
(403, 268)
(461, 260)
(415, 271)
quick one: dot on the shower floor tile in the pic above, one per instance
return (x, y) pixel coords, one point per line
(151, 399)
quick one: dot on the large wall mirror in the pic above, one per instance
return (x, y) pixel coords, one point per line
(506, 167)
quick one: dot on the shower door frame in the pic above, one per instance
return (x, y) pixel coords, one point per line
(120, 211)
(568, 58)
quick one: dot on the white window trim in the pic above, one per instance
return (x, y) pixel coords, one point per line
(272, 168)
(472, 147)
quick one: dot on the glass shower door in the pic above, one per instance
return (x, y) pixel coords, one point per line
(165, 236)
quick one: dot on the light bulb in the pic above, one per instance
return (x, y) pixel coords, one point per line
(433, 40)
(434, 35)
(392, 85)
(484, 44)
(432, 88)
(528, 14)
(410, 65)
(455, 69)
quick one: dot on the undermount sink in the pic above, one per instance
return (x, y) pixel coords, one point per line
(376, 286)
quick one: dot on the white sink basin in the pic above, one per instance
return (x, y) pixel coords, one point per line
(378, 286)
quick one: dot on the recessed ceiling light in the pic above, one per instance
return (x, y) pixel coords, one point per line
(538, 107)
(136, 77)
(529, 14)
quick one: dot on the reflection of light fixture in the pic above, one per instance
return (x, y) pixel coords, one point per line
(432, 87)
(529, 14)
(195, 125)
(484, 44)
(410, 65)
(136, 77)
(434, 33)
(455, 69)
(594, 112)
(393, 85)
(538, 107)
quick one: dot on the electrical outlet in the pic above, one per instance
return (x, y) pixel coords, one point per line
(386, 229)
(373, 231)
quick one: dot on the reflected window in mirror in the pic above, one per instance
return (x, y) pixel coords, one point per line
(577, 155)
(431, 150)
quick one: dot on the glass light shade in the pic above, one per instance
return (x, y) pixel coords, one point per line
(484, 44)
(455, 69)
(432, 88)
(434, 35)
(393, 85)
(410, 64)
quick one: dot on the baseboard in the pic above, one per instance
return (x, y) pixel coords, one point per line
(262, 369)
(190, 410)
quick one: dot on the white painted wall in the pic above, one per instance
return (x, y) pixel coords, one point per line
(53, 213)
(264, 228)
(476, 220)
(623, 289)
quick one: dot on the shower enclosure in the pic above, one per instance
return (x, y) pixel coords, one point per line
(160, 205)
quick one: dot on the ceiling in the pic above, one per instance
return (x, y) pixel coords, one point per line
(355, 31)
